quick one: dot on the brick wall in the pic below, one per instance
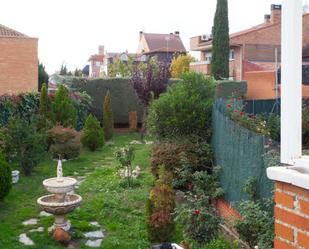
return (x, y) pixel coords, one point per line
(18, 65)
(291, 217)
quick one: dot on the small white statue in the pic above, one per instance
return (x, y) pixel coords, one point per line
(59, 169)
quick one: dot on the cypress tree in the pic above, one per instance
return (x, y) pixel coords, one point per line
(44, 101)
(220, 42)
(108, 119)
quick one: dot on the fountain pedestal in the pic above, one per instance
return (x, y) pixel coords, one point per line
(60, 203)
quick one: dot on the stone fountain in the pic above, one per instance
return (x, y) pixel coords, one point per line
(62, 200)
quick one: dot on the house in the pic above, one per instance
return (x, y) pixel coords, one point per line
(253, 49)
(18, 62)
(163, 47)
(96, 62)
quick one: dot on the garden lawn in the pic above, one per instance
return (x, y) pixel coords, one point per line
(119, 210)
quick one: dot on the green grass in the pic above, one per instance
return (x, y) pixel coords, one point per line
(120, 210)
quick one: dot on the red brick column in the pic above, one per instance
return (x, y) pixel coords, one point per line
(291, 217)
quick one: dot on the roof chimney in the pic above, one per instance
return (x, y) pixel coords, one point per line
(275, 13)
(266, 19)
(176, 33)
(101, 50)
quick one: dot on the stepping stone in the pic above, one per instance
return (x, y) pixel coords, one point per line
(109, 143)
(95, 223)
(32, 221)
(44, 214)
(39, 229)
(136, 142)
(148, 142)
(94, 243)
(24, 239)
(95, 234)
(81, 178)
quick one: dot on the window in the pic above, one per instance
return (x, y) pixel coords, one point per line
(232, 55)
(207, 56)
(98, 63)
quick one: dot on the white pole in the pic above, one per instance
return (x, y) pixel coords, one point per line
(291, 139)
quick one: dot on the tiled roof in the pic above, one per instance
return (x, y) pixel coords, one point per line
(8, 32)
(164, 43)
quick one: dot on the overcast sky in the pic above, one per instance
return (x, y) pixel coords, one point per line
(70, 30)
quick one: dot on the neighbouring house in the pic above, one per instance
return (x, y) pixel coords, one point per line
(253, 49)
(163, 47)
(96, 62)
(18, 62)
(112, 57)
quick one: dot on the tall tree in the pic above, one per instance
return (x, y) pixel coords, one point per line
(43, 76)
(44, 101)
(63, 69)
(149, 83)
(108, 119)
(220, 42)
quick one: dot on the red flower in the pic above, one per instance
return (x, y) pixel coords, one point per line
(197, 212)
(304, 105)
(229, 105)
(235, 110)
(241, 114)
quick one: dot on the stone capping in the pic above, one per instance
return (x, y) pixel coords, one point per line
(295, 175)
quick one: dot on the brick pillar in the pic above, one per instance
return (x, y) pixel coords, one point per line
(291, 217)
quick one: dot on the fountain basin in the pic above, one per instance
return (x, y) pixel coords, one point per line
(59, 185)
(51, 203)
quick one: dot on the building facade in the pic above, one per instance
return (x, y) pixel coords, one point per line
(18, 62)
(96, 62)
(257, 48)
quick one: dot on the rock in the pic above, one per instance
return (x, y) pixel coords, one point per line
(44, 214)
(94, 243)
(24, 239)
(94, 223)
(32, 221)
(61, 236)
(136, 142)
(148, 142)
(39, 229)
(95, 234)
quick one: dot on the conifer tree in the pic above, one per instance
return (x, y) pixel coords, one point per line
(92, 136)
(220, 42)
(108, 119)
(44, 102)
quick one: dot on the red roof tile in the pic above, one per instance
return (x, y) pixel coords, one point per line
(96, 57)
(8, 32)
(164, 43)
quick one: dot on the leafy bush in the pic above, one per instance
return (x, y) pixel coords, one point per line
(184, 110)
(197, 214)
(24, 143)
(63, 110)
(92, 136)
(180, 65)
(221, 243)
(65, 142)
(182, 159)
(257, 225)
(160, 207)
(125, 156)
(5, 177)
(108, 119)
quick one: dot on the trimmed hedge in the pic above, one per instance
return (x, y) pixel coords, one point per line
(228, 88)
(122, 93)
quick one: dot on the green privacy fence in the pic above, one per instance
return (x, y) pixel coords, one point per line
(240, 153)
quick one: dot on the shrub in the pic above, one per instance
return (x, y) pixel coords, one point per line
(5, 177)
(160, 207)
(180, 65)
(257, 225)
(125, 157)
(108, 119)
(65, 142)
(182, 159)
(221, 243)
(24, 144)
(92, 136)
(44, 102)
(63, 111)
(197, 214)
(184, 110)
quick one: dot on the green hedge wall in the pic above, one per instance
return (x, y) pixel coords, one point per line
(123, 96)
(226, 89)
